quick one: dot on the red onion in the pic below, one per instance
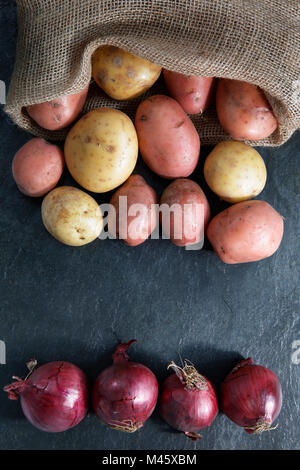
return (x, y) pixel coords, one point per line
(251, 396)
(188, 401)
(125, 394)
(54, 397)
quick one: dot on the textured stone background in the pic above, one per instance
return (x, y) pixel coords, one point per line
(74, 304)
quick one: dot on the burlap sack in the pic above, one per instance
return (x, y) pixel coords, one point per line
(252, 40)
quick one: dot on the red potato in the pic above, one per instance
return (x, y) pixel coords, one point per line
(136, 223)
(188, 221)
(168, 140)
(244, 111)
(247, 231)
(37, 167)
(192, 93)
(58, 113)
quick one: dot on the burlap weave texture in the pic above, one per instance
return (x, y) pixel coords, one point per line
(250, 40)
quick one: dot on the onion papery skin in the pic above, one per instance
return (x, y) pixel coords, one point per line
(251, 396)
(188, 408)
(54, 398)
(125, 394)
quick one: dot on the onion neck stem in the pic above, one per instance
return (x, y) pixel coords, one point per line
(189, 376)
(120, 353)
(14, 389)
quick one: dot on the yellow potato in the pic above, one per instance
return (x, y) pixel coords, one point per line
(101, 149)
(72, 216)
(235, 171)
(121, 74)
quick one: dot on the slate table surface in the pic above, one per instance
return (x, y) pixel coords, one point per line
(76, 304)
